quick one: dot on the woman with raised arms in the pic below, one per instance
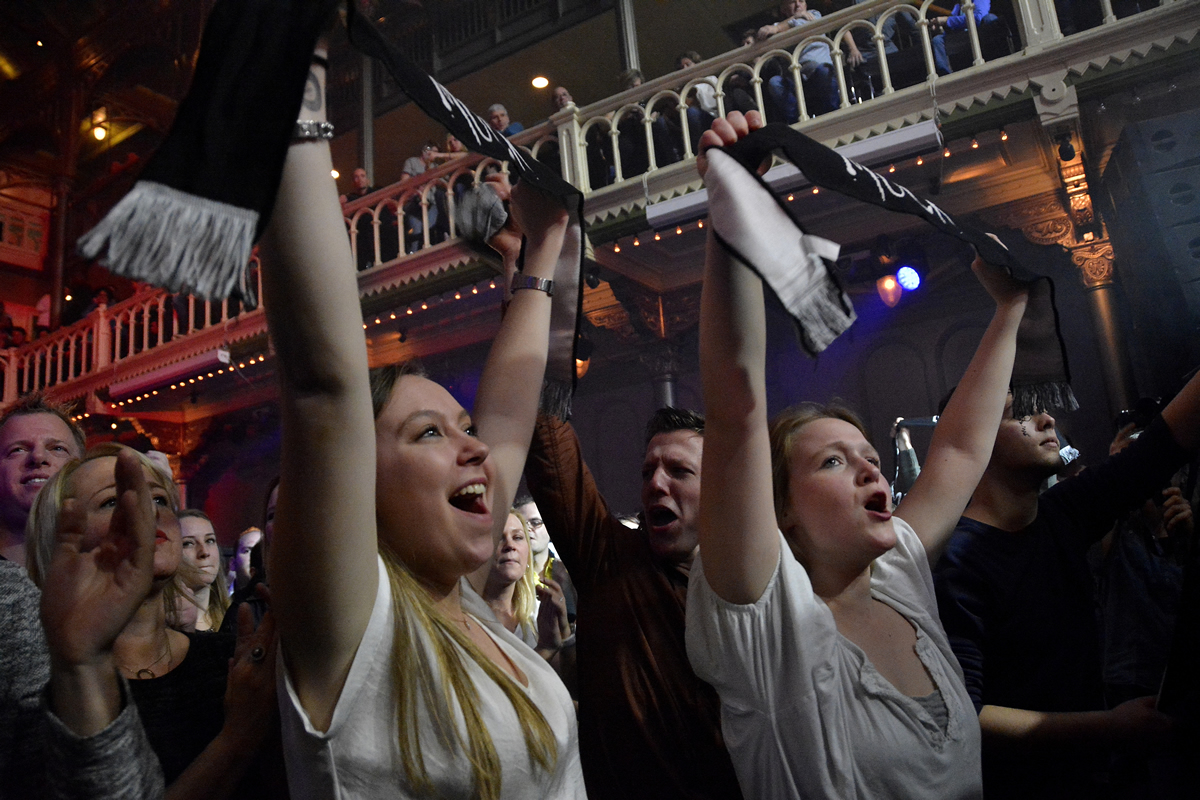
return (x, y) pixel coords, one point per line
(812, 612)
(390, 493)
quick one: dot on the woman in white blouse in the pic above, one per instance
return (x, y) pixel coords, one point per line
(811, 609)
(390, 493)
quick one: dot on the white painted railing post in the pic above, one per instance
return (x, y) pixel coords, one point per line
(10, 376)
(102, 336)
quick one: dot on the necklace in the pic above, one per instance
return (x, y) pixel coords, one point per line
(147, 672)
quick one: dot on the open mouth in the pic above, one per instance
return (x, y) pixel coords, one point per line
(878, 503)
(470, 498)
(660, 517)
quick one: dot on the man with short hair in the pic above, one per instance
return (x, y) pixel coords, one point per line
(648, 727)
(561, 98)
(37, 438)
(1017, 599)
(497, 116)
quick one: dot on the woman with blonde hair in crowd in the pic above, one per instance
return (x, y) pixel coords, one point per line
(398, 682)
(204, 596)
(511, 588)
(208, 705)
(811, 607)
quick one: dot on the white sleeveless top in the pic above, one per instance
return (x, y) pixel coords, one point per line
(358, 757)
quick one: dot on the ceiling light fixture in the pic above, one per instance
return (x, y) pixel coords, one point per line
(540, 82)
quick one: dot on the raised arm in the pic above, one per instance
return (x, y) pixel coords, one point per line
(739, 537)
(323, 556)
(965, 433)
(507, 401)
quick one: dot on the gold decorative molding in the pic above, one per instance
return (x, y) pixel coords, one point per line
(1095, 263)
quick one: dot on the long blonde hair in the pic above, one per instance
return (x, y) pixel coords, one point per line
(218, 592)
(441, 676)
(525, 592)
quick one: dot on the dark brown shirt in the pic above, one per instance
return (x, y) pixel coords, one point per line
(648, 727)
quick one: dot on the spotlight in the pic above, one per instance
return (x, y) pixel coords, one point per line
(889, 290)
(909, 278)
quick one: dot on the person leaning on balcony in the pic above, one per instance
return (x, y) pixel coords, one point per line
(816, 64)
(497, 116)
(413, 224)
(389, 243)
(957, 21)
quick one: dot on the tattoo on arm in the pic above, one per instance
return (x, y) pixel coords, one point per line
(312, 92)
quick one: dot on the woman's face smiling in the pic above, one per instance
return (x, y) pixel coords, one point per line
(839, 510)
(200, 548)
(512, 552)
(433, 483)
(94, 485)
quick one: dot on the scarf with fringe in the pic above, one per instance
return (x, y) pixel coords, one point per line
(761, 232)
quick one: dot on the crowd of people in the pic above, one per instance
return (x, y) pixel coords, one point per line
(405, 625)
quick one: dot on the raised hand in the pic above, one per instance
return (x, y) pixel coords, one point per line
(250, 707)
(1176, 511)
(724, 132)
(553, 626)
(96, 582)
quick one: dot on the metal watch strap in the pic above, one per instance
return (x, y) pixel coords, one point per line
(312, 129)
(529, 282)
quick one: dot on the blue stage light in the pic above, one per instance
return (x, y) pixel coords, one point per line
(909, 278)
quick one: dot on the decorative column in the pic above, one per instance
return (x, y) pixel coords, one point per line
(663, 363)
(1043, 220)
(1095, 264)
(367, 138)
(627, 35)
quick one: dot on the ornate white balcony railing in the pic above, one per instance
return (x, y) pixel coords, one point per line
(884, 93)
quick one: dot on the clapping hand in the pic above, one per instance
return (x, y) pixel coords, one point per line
(95, 583)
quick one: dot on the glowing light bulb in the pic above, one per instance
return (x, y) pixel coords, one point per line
(540, 82)
(636, 243)
(909, 278)
(946, 153)
(791, 197)
(333, 173)
(920, 161)
(816, 190)
(974, 143)
(99, 132)
(679, 230)
(657, 238)
(892, 168)
(1003, 135)
(616, 248)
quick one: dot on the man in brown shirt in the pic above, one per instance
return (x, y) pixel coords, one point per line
(648, 727)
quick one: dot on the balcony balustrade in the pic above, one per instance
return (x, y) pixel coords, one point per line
(892, 89)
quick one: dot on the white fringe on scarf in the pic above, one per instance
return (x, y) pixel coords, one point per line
(178, 241)
(750, 223)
